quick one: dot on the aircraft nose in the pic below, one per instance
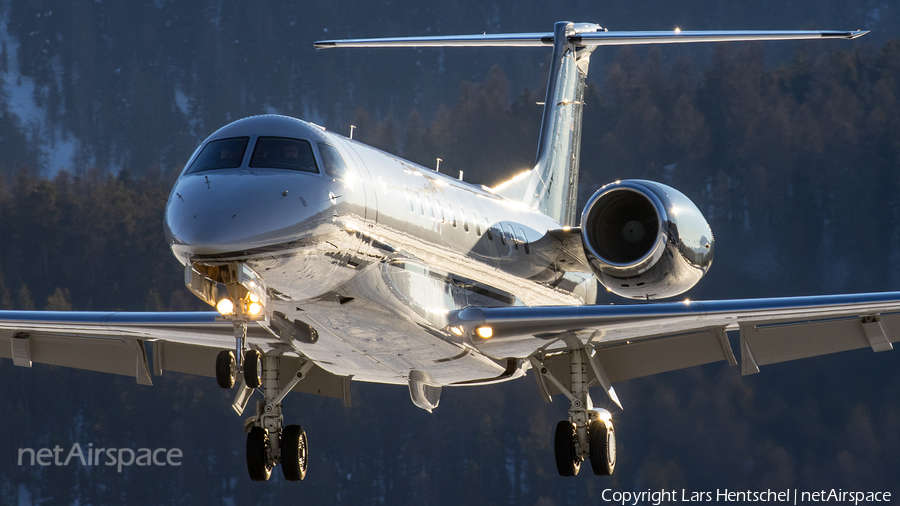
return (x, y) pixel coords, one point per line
(211, 214)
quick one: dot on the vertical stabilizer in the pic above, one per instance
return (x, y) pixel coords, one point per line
(553, 184)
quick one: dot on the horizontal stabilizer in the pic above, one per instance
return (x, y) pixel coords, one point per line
(601, 38)
(480, 40)
(678, 36)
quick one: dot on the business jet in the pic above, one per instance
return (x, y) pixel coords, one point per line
(329, 261)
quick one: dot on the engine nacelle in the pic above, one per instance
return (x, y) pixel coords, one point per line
(645, 240)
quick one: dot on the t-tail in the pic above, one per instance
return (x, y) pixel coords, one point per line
(552, 185)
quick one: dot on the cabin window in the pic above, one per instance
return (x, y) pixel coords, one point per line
(284, 153)
(488, 228)
(452, 215)
(524, 239)
(421, 206)
(462, 214)
(332, 163)
(440, 209)
(430, 206)
(511, 236)
(477, 224)
(220, 154)
(409, 199)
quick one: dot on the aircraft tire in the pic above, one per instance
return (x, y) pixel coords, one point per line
(603, 447)
(225, 369)
(294, 453)
(257, 462)
(567, 463)
(253, 368)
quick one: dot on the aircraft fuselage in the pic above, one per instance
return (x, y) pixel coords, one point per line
(374, 254)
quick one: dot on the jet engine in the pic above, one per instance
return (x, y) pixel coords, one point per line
(645, 240)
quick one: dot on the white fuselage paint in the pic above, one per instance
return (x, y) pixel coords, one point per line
(374, 260)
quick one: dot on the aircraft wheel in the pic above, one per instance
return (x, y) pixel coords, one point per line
(257, 461)
(294, 453)
(567, 463)
(603, 447)
(253, 368)
(226, 369)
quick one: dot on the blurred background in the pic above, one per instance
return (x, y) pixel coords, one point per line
(790, 149)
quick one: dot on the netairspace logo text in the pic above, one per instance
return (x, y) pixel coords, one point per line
(90, 456)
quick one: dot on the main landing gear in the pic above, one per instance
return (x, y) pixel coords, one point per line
(588, 433)
(269, 441)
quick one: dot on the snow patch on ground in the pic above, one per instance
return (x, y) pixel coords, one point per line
(25, 498)
(182, 102)
(55, 146)
(190, 111)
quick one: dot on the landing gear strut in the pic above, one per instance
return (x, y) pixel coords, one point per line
(269, 441)
(588, 433)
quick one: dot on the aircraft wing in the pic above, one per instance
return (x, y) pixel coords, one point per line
(637, 340)
(127, 343)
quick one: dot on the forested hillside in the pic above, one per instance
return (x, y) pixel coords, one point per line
(791, 151)
(801, 160)
(90, 84)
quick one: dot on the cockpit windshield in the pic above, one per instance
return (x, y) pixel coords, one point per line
(284, 153)
(220, 154)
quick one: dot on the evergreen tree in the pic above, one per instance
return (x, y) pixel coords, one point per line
(59, 300)
(24, 301)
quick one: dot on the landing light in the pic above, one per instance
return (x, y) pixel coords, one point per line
(456, 331)
(254, 298)
(225, 306)
(254, 308)
(484, 332)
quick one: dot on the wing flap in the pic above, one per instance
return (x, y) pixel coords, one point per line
(639, 339)
(649, 357)
(184, 358)
(124, 357)
(670, 353)
(201, 361)
(776, 342)
(114, 343)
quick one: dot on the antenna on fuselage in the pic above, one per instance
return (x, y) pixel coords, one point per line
(438, 167)
(460, 175)
(352, 127)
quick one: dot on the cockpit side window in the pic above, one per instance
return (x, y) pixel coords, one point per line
(284, 153)
(220, 154)
(332, 162)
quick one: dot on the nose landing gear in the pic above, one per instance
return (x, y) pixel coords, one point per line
(261, 449)
(269, 441)
(226, 369)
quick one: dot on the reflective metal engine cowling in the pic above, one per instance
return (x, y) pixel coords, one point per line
(645, 240)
